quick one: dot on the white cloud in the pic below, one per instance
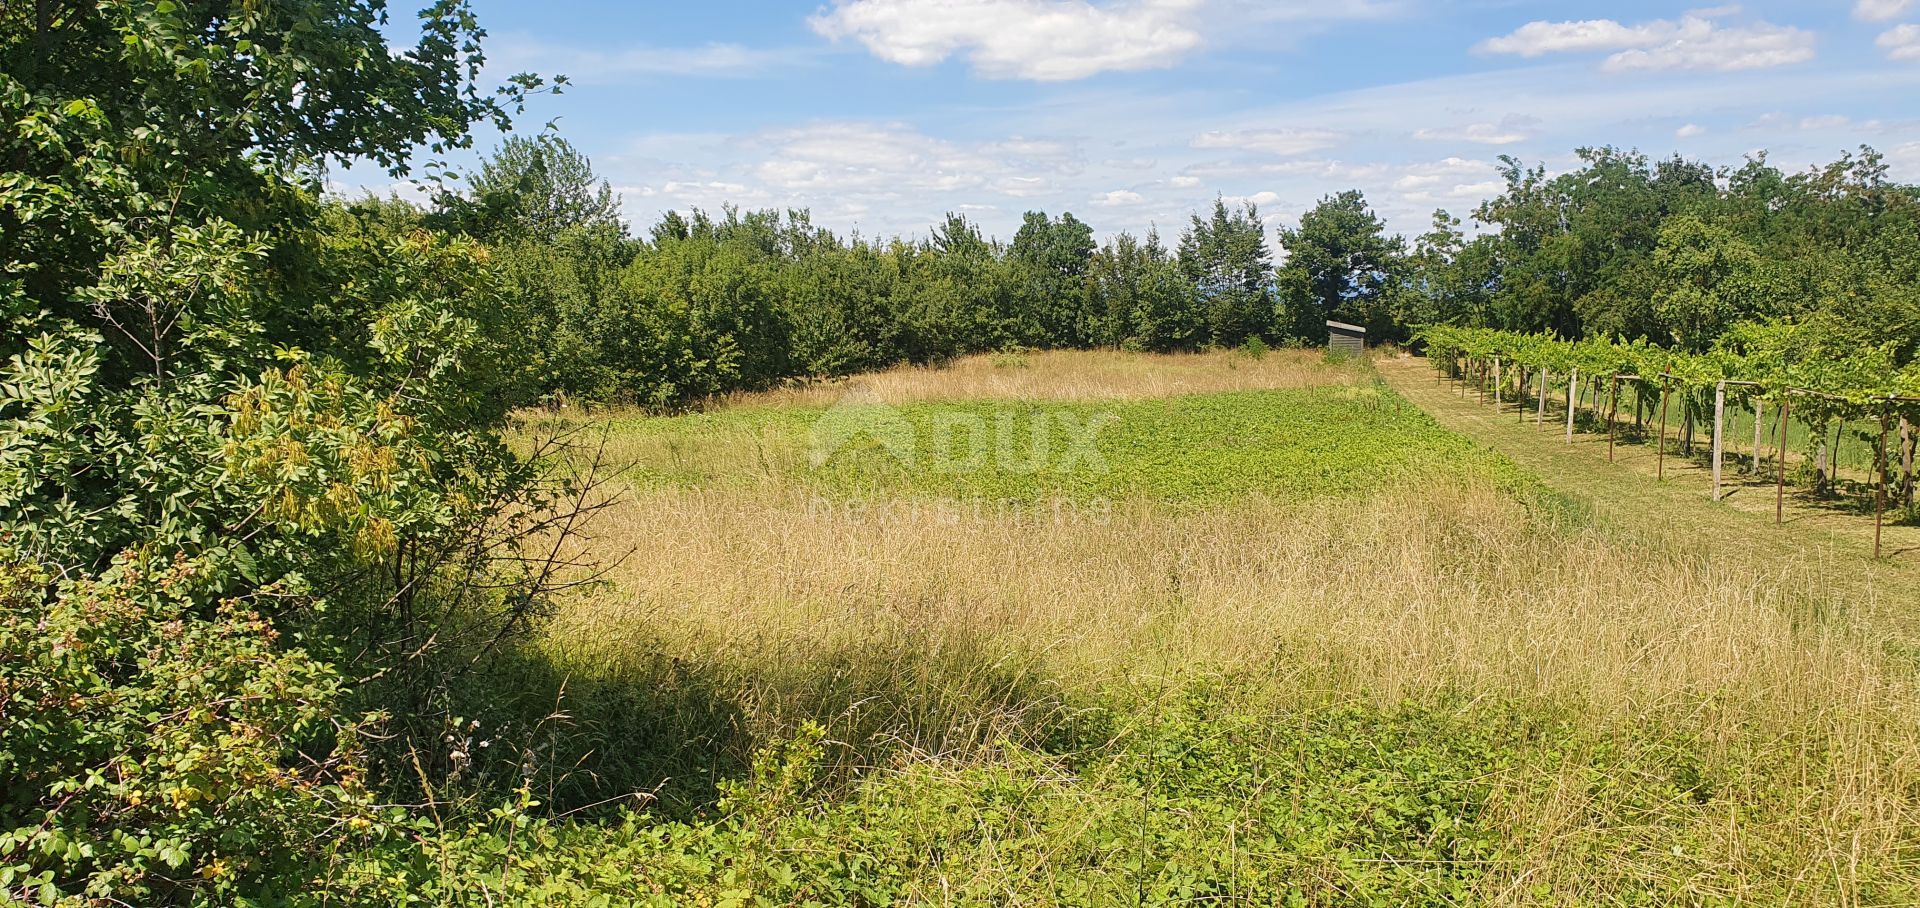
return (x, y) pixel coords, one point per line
(1825, 121)
(1779, 121)
(1023, 187)
(678, 187)
(1119, 198)
(1510, 130)
(1691, 130)
(1304, 10)
(1695, 41)
(1184, 182)
(1902, 42)
(1539, 38)
(1263, 198)
(717, 60)
(1446, 182)
(1330, 171)
(873, 176)
(892, 158)
(1283, 142)
(1881, 10)
(1904, 161)
(1041, 40)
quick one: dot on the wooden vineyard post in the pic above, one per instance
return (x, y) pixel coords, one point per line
(1613, 413)
(1780, 465)
(1540, 408)
(1906, 460)
(1660, 470)
(1880, 485)
(1756, 434)
(1719, 422)
(1496, 384)
(1573, 400)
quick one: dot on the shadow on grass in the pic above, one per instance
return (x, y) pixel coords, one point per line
(591, 735)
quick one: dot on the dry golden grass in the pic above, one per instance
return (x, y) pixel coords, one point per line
(1407, 592)
(1075, 375)
(962, 617)
(958, 616)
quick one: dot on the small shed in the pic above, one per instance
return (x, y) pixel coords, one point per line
(1350, 340)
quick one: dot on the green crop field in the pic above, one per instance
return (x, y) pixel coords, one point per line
(1297, 444)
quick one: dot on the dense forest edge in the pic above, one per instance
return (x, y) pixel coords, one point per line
(266, 551)
(1672, 252)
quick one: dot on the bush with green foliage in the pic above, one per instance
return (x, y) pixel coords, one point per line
(162, 742)
(249, 436)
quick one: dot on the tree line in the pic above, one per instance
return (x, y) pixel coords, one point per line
(706, 303)
(1670, 251)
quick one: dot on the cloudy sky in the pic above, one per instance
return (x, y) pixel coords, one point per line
(880, 115)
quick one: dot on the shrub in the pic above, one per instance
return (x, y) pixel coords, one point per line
(160, 746)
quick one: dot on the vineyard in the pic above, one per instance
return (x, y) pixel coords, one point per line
(1802, 394)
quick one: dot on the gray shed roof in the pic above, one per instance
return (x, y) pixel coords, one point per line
(1346, 327)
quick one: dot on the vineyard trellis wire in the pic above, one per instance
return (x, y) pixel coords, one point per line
(1781, 365)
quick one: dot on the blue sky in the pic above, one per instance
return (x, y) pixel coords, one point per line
(881, 115)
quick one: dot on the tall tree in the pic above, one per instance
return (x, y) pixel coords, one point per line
(960, 297)
(1050, 258)
(158, 230)
(1340, 265)
(1143, 298)
(1226, 259)
(1448, 278)
(534, 188)
(1708, 279)
(210, 378)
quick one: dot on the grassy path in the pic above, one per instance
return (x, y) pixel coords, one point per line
(1626, 494)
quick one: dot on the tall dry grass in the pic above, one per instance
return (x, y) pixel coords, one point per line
(1406, 592)
(939, 628)
(1075, 375)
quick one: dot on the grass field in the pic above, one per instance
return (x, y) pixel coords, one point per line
(1102, 629)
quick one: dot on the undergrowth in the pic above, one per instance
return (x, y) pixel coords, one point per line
(1191, 794)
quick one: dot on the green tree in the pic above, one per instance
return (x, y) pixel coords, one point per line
(1049, 258)
(211, 378)
(534, 189)
(960, 295)
(1708, 280)
(1447, 279)
(1225, 257)
(1145, 300)
(1341, 265)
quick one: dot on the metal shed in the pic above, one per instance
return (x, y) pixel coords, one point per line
(1343, 338)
